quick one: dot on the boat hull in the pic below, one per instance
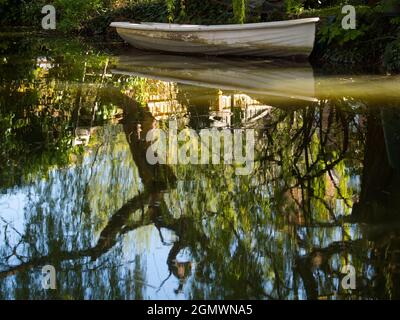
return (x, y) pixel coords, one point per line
(274, 39)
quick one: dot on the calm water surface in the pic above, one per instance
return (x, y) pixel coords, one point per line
(76, 191)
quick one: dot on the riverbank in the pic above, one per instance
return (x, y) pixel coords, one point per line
(375, 43)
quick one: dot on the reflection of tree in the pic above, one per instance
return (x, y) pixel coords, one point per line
(198, 101)
(238, 213)
(283, 232)
(302, 167)
(379, 200)
(120, 222)
(377, 207)
(36, 104)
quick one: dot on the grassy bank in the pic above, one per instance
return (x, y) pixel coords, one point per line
(374, 43)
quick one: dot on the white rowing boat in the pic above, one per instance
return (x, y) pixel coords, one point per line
(275, 39)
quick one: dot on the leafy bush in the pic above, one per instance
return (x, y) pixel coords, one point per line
(334, 32)
(72, 15)
(392, 56)
(294, 6)
(239, 10)
(21, 12)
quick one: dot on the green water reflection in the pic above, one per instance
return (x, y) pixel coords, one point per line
(77, 192)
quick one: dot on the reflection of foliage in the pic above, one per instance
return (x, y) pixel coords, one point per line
(56, 221)
(258, 236)
(283, 232)
(39, 111)
(244, 233)
(141, 87)
(302, 180)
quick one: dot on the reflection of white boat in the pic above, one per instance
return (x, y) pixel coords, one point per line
(276, 39)
(253, 77)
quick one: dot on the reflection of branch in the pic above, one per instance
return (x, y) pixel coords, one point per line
(119, 222)
(319, 257)
(164, 281)
(308, 176)
(328, 167)
(106, 240)
(8, 224)
(327, 206)
(338, 189)
(6, 241)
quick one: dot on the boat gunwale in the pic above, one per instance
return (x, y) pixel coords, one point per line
(168, 27)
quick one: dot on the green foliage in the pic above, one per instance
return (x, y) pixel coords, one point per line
(94, 17)
(38, 97)
(21, 13)
(392, 56)
(74, 14)
(141, 88)
(395, 21)
(391, 7)
(367, 44)
(182, 13)
(239, 10)
(171, 9)
(203, 12)
(294, 6)
(334, 32)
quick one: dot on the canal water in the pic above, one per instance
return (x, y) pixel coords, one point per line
(78, 193)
